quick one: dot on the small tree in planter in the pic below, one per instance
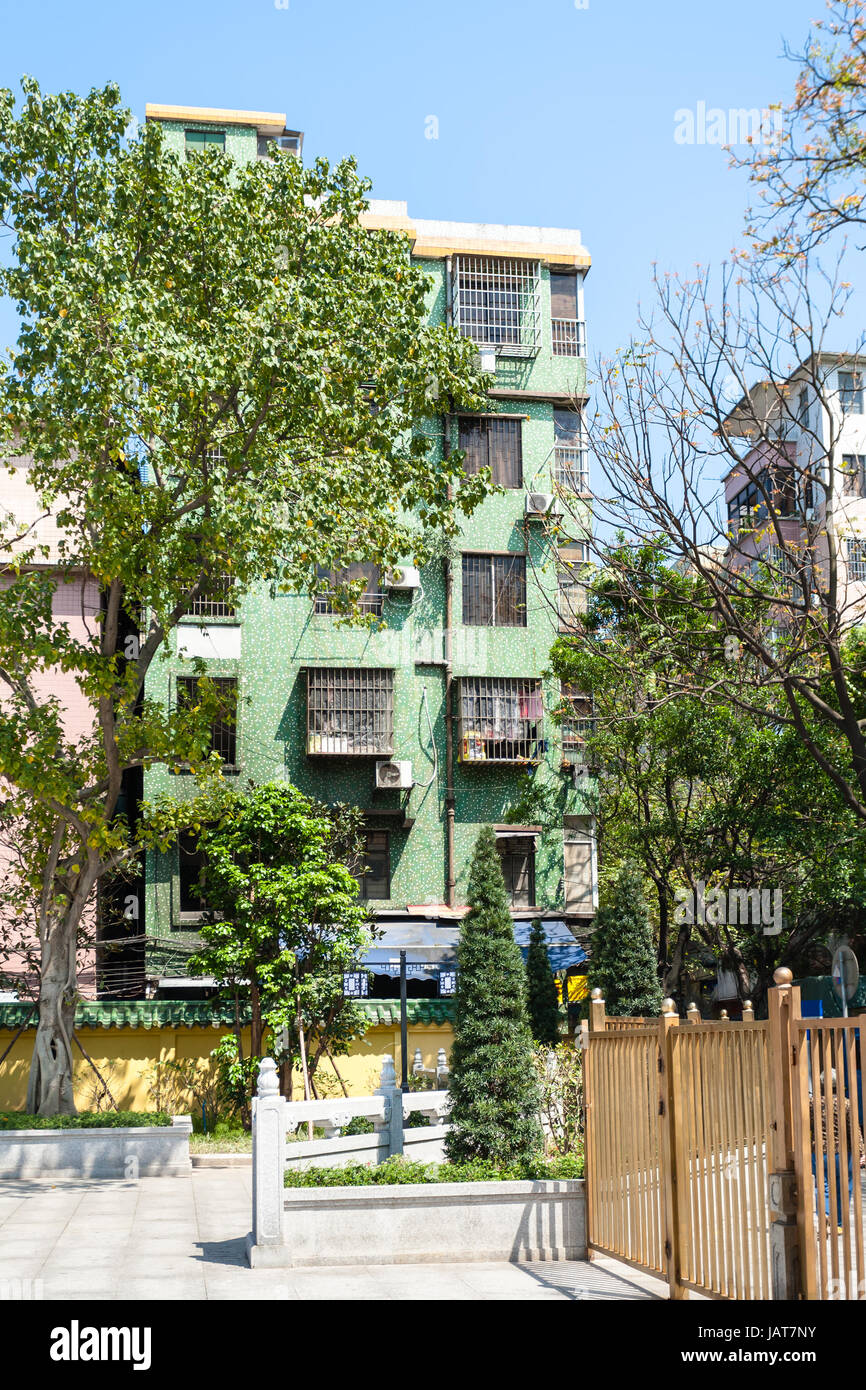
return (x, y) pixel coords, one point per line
(623, 962)
(541, 995)
(493, 1085)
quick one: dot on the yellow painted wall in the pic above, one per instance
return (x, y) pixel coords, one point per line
(125, 1057)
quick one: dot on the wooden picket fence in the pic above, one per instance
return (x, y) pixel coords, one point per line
(707, 1144)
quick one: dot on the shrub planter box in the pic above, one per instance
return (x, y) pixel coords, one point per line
(149, 1151)
(421, 1222)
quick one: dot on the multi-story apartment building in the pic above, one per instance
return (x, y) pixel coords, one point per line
(810, 462)
(440, 719)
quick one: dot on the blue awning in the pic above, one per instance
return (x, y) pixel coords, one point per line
(430, 947)
(562, 949)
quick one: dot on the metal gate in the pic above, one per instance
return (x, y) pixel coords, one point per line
(678, 1122)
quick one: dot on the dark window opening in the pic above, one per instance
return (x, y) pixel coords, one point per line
(494, 590)
(223, 730)
(190, 864)
(492, 443)
(517, 854)
(374, 875)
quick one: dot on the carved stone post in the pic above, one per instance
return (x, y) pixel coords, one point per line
(393, 1106)
(269, 1164)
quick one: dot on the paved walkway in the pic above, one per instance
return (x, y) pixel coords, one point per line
(183, 1238)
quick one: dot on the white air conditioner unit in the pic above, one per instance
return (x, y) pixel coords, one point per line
(391, 776)
(403, 577)
(539, 503)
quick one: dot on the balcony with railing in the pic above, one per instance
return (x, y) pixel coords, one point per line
(568, 337)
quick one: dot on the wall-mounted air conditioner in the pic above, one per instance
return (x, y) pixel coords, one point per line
(392, 776)
(403, 577)
(539, 503)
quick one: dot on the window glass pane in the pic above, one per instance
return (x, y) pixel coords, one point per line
(472, 439)
(198, 139)
(494, 590)
(376, 882)
(563, 296)
(506, 462)
(566, 426)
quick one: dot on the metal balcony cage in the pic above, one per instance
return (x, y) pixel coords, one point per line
(217, 601)
(568, 337)
(350, 711)
(578, 725)
(497, 303)
(501, 720)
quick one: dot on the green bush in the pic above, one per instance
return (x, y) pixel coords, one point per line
(100, 1119)
(402, 1170)
(359, 1125)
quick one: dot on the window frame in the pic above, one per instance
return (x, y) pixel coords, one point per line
(473, 590)
(485, 424)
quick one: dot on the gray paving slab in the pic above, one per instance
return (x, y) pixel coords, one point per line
(184, 1239)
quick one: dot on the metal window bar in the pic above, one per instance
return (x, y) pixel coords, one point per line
(370, 601)
(577, 726)
(517, 857)
(568, 337)
(216, 601)
(571, 468)
(571, 600)
(350, 711)
(494, 443)
(501, 720)
(494, 590)
(857, 560)
(497, 302)
(223, 730)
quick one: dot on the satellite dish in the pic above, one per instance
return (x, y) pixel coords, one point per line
(845, 976)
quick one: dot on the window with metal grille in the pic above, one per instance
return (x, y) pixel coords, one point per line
(223, 730)
(370, 601)
(853, 475)
(857, 560)
(567, 331)
(517, 856)
(571, 587)
(489, 441)
(350, 711)
(190, 861)
(290, 140)
(851, 393)
(374, 875)
(501, 720)
(496, 302)
(198, 140)
(578, 725)
(215, 601)
(494, 590)
(570, 458)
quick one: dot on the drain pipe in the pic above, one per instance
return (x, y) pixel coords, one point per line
(448, 652)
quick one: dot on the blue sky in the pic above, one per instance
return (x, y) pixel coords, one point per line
(548, 113)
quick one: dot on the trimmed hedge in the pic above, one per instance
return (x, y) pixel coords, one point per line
(106, 1119)
(403, 1170)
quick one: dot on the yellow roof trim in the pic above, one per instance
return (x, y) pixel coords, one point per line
(265, 121)
(555, 255)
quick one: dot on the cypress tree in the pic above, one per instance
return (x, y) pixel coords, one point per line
(541, 995)
(623, 964)
(494, 1092)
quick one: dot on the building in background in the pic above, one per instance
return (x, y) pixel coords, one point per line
(441, 721)
(811, 461)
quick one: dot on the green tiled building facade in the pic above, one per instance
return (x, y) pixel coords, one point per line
(323, 705)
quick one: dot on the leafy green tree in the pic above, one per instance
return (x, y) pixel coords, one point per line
(494, 1091)
(623, 962)
(693, 790)
(541, 996)
(285, 922)
(220, 376)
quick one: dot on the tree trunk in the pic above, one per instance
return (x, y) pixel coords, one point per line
(49, 1088)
